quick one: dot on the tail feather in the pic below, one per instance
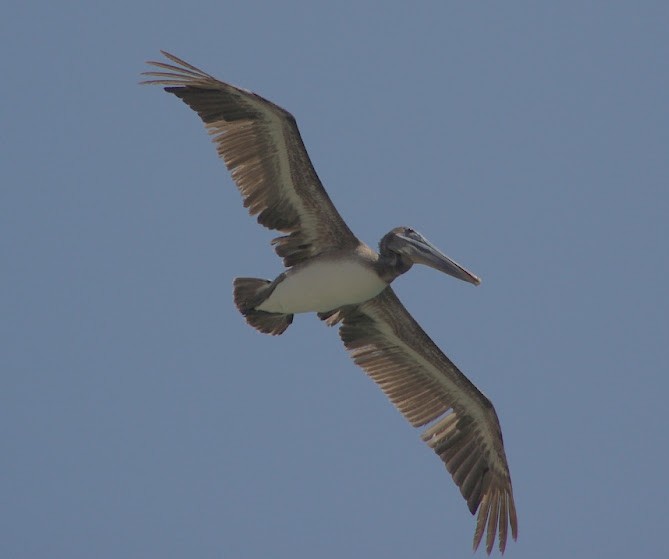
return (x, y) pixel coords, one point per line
(251, 292)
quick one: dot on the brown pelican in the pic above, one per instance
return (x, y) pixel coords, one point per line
(331, 272)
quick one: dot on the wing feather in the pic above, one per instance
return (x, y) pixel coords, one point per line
(261, 146)
(389, 345)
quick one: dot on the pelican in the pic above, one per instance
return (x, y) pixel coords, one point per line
(331, 272)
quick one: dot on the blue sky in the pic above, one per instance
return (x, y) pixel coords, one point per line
(141, 417)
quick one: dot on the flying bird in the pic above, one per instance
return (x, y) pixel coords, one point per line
(331, 272)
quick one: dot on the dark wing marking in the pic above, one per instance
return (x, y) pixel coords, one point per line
(384, 339)
(263, 150)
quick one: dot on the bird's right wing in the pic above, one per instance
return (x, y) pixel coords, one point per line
(263, 150)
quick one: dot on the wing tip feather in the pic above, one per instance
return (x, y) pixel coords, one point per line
(497, 512)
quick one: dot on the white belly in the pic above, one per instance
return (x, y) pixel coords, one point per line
(322, 286)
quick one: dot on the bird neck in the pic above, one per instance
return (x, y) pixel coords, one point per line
(392, 265)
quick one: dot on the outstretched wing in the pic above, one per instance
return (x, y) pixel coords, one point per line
(263, 150)
(384, 339)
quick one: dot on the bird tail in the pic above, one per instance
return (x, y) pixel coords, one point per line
(251, 292)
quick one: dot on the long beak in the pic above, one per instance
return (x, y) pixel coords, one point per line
(423, 252)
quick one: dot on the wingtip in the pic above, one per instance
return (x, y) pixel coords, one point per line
(496, 513)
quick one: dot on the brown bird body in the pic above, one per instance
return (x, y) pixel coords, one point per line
(331, 272)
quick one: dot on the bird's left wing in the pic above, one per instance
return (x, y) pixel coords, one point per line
(389, 345)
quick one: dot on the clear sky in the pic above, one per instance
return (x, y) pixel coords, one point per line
(141, 417)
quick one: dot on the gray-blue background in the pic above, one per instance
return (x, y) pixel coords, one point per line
(141, 417)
